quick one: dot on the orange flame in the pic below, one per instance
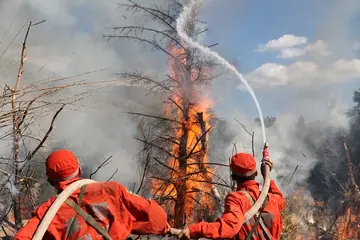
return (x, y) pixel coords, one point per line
(348, 225)
(192, 125)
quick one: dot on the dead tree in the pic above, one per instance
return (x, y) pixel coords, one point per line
(21, 106)
(17, 173)
(180, 175)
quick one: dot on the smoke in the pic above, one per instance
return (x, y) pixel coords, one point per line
(71, 42)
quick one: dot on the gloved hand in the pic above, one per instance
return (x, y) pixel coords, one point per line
(264, 163)
(185, 233)
(266, 160)
(167, 229)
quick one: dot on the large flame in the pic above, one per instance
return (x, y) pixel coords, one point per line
(190, 111)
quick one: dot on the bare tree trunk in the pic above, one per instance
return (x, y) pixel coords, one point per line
(181, 189)
(355, 187)
(204, 149)
(17, 134)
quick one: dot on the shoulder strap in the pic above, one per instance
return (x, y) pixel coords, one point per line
(72, 224)
(87, 217)
(259, 218)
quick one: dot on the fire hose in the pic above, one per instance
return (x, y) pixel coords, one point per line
(50, 214)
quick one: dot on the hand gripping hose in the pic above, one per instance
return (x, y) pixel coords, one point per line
(45, 222)
(265, 190)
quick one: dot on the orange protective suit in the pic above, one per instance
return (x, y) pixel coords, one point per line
(110, 204)
(230, 226)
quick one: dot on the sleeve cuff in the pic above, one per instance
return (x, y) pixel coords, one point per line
(195, 230)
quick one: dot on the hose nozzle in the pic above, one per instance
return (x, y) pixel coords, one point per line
(266, 154)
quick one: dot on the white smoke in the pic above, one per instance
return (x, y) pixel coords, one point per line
(71, 42)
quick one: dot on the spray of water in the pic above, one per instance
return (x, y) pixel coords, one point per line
(181, 22)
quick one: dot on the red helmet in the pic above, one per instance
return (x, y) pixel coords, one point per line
(62, 165)
(243, 164)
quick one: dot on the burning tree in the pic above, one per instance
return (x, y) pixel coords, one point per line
(175, 143)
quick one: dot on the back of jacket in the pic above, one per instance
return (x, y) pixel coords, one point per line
(230, 224)
(271, 214)
(111, 205)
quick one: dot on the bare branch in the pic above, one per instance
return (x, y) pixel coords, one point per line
(113, 174)
(197, 142)
(243, 127)
(156, 117)
(293, 174)
(30, 155)
(152, 43)
(164, 165)
(104, 163)
(134, 28)
(158, 147)
(138, 77)
(144, 173)
(155, 13)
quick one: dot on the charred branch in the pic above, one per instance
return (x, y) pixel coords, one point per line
(30, 155)
(158, 147)
(156, 13)
(164, 165)
(113, 174)
(203, 136)
(200, 117)
(137, 29)
(156, 117)
(136, 78)
(103, 164)
(153, 43)
(144, 173)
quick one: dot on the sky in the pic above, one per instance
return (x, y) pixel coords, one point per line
(283, 47)
(301, 57)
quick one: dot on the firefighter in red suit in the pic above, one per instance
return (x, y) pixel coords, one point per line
(116, 211)
(230, 225)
